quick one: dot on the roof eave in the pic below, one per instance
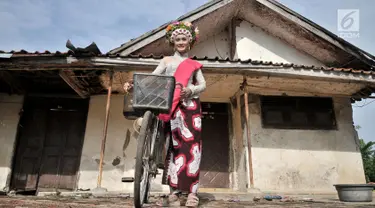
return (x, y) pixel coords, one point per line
(248, 67)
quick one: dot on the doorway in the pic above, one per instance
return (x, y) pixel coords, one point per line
(49, 144)
(215, 148)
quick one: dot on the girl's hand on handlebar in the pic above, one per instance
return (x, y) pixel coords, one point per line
(128, 86)
(185, 92)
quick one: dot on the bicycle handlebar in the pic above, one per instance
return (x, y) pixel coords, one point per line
(179, 84)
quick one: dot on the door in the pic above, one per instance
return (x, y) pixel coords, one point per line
(57, 146)
(31, 133)
(215, 148)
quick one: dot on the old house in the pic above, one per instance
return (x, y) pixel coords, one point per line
(277, 109)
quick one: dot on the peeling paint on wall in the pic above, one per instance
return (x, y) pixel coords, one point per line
(116, 161)
(306, 160)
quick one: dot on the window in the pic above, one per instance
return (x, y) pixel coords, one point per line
(297, 113)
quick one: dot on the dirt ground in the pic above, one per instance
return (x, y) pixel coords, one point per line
(79, 202)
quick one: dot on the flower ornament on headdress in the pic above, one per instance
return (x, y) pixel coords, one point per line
(185, 28)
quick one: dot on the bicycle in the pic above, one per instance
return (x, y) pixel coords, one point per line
(152, 95)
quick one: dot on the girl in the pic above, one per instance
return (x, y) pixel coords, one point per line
(184, 121)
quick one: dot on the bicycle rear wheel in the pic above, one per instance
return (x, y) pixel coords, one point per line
(142, 165)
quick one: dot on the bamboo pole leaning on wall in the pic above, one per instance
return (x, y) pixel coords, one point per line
(249, 146)
(102, 150)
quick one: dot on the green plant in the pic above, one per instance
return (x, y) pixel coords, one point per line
(368, 157)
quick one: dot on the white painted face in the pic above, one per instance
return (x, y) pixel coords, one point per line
(181, 43)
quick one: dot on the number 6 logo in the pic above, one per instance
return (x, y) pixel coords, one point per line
(348, 20)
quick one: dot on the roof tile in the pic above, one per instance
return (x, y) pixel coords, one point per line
(25, 53)
(256, 62)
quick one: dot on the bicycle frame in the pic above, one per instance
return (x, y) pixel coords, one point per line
(152, 133)
(157, 140)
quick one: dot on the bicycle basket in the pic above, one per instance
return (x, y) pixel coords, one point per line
(153, 92)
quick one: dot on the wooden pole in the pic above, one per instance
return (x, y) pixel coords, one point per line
(105, 129)
(246, 100)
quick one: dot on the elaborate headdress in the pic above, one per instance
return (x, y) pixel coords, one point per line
(186, 28)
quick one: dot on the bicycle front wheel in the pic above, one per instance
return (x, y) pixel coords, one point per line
(142, 164)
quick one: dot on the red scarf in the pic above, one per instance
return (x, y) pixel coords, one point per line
(182, 75)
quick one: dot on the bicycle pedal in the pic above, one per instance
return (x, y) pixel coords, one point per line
(127, 179)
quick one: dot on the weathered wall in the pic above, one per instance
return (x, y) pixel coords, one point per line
(252, 43)
(215, 46)
(306, 160)
(10, 107)
(120, 148)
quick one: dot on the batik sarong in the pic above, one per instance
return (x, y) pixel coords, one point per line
(184, 126)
